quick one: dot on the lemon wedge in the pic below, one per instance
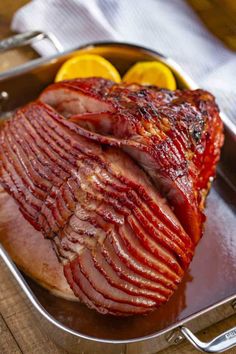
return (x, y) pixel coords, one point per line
(87, 65)
(151, 73)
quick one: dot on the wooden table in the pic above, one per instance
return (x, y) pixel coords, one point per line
(19, 332)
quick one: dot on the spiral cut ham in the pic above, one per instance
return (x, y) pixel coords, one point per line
(78, 163)
(174, 135)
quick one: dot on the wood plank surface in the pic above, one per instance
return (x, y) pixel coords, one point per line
(21, 328)
(7, 339)
(19, 332)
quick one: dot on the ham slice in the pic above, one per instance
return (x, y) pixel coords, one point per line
(30, 251)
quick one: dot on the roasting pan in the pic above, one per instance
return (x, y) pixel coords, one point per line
(208, 291)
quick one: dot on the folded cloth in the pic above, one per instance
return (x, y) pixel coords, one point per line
(170, 27)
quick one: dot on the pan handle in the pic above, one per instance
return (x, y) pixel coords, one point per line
(219, 344)
(26, 38)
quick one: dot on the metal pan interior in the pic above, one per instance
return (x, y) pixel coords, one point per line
(211, 277)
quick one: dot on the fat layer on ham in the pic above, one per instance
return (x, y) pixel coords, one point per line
(78, 164)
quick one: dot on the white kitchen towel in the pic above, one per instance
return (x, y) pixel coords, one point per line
(168, 26)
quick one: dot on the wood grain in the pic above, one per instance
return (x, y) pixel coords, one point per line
(19, 332)
(7, 339)
(21, 327)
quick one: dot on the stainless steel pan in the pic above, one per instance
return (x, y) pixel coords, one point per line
(208, 292)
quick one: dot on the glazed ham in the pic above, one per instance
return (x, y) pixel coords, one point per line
(124, 240)
(174, 135)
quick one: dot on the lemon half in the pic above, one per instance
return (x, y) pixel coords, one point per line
(151, 73)
(87, 65)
